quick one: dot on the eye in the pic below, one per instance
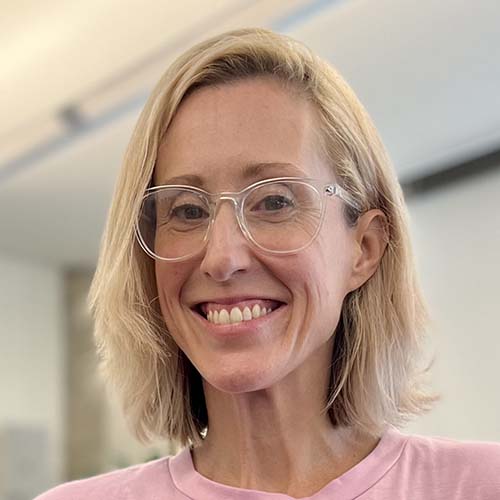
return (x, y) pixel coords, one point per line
(273, 203)
(189, 212)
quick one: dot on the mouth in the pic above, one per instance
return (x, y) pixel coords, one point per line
(238, 312)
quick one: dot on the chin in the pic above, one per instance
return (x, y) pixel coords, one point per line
(238, 379)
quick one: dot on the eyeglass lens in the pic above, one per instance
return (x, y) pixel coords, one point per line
(280, 217)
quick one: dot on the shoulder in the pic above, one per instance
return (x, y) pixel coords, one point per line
(133, 482)
(467, 467)
(459, 452)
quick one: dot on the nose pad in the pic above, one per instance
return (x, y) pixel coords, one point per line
(225, 225)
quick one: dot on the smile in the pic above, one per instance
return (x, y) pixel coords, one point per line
(236, 315)
(243, 311)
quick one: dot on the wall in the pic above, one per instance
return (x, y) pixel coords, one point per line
(457, 239)
(32, 362)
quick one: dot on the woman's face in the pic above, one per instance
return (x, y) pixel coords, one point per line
(217, 132)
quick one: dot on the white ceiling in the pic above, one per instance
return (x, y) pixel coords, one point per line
(427, 71)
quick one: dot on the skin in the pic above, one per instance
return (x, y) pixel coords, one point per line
(265, 393)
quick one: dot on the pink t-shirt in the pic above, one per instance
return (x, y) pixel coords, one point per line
(401, 467)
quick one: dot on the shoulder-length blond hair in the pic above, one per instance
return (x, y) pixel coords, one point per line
(376, 374)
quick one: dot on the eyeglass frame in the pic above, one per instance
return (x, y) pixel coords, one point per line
(238, 198)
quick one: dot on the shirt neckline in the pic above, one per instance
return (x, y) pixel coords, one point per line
(348, 486)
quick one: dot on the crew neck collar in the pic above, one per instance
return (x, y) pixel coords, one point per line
(349, 485)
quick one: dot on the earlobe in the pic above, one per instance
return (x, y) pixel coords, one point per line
(371, 234)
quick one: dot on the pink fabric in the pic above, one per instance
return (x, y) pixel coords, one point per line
(401, 467)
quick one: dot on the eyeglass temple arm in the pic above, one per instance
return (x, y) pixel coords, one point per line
(335, 189)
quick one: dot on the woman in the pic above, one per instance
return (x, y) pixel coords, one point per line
(255, 298)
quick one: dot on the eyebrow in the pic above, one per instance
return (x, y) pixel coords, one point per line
(251, 171)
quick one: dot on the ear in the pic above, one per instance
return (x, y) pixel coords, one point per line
(370, 241)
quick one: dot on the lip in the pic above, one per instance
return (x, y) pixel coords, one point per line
(253, 327)
(233, 300)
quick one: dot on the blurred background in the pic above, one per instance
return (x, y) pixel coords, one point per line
(73, 78)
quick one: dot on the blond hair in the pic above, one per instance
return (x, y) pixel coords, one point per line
(376, 372)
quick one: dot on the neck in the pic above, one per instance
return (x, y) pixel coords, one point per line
(278, 439)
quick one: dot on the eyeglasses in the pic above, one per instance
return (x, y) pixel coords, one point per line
(282, 215)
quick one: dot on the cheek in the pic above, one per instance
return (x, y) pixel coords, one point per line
(334, 255)
(166, 279)
(169, 281)
(328, 269)
(171, 277)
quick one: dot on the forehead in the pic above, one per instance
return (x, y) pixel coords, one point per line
(229, 135)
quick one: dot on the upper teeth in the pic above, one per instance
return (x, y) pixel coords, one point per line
(236, 315)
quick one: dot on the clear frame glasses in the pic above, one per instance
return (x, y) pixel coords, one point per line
(282, 215)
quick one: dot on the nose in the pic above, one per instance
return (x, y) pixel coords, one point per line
(227, 251)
